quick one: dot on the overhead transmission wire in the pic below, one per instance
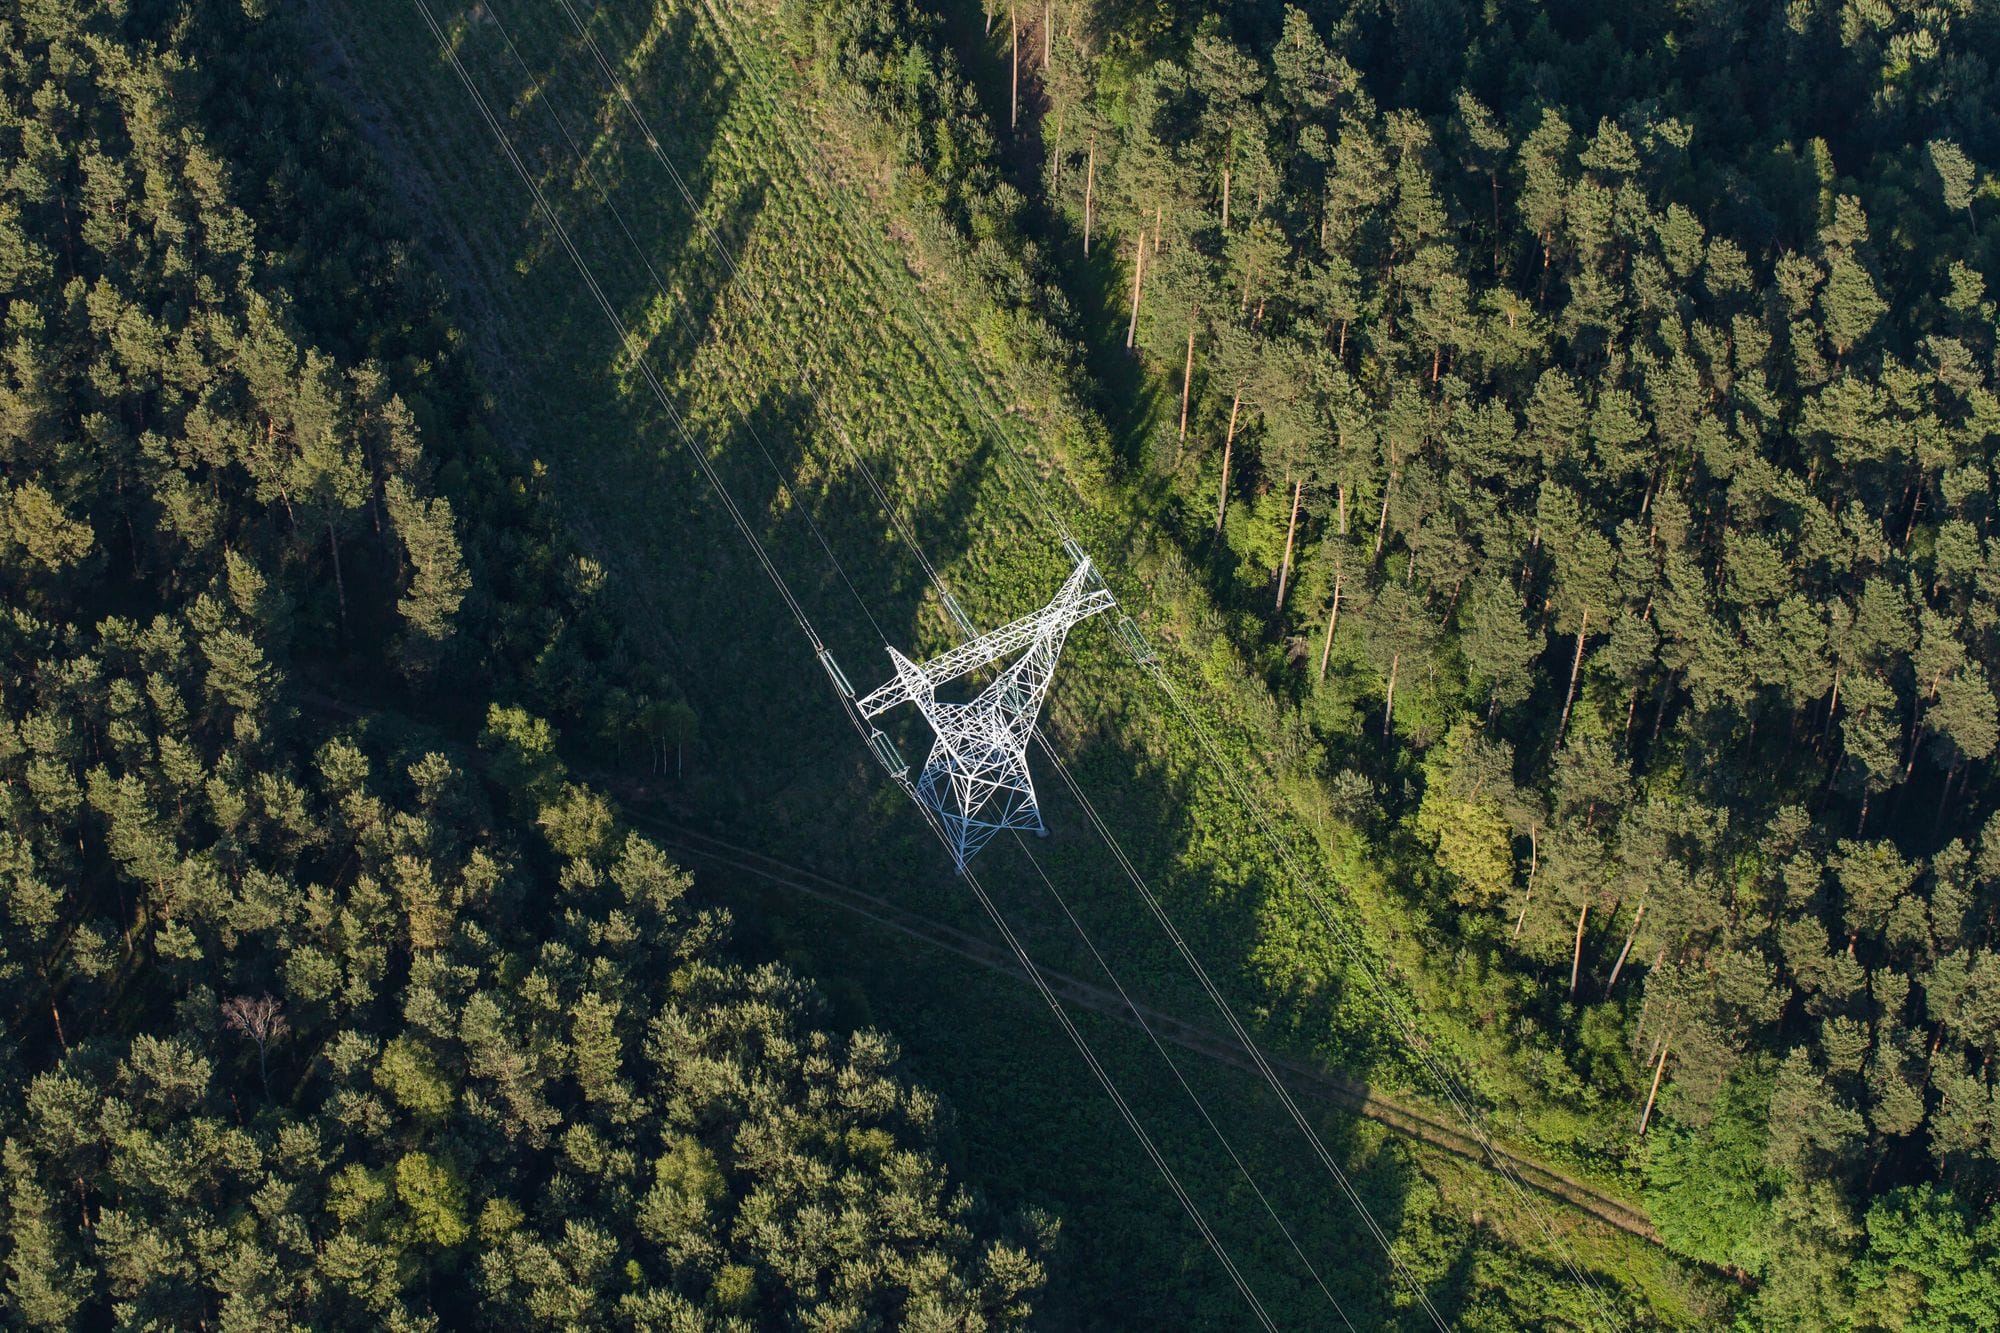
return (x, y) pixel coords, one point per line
(543, 95)
(618, 88)
(1454, 1091)
(1139, 1015)
(583, 164)
(1021, 957)
(1236, 1028)
(626, 341)
(1448, 1083)
(1125, 1111)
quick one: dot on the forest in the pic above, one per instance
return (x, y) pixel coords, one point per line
(1586, 418)
(334, 997)
(1551, 444)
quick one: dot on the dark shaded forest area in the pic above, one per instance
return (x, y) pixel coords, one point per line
(1587, 413)
(332, 997)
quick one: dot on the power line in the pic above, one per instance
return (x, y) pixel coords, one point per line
(1103, 1076)
(1021, 956)
(617, 87)
(1238, 1031)
(1447, 1083)
(583, 164)
(1139, 1015)
(625, 338)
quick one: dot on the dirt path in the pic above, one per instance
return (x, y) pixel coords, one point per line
(1302, 1078)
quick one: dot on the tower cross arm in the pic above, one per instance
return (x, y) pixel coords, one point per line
(1072, 604)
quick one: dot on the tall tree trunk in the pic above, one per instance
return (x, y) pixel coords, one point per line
(1187, 379)
(1055, 168)
(1494, 178)
(1138, 281)
(1228, 444)
(1343, 508)
(1631, 935)
(1340, 353)
(1658, 1070)
(1291, 530)
(1575, 666)
(55, 1015)
(1534, 859)
(1014, 89)
(1332, 619)
(1225, 198)
(1660, 713)
(1576, 959)
(339, 583)
(1944, 796)
(1920, 726)
(1389, 698)
(1382, 520)
(1451, 604)
(1048, 34)
(1089, 190)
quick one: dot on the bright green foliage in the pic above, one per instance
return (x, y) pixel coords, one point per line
(1709, 1189)
(1933, 1264)
(434, 1200)
(1462, 814)
(413, 1080)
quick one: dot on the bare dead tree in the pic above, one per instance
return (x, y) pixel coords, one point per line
(262, 1021)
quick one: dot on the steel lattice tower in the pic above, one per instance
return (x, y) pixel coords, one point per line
(976, 779)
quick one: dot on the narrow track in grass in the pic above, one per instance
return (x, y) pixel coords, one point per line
(1348, 1094)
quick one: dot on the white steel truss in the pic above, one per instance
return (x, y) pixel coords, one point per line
(976, 778)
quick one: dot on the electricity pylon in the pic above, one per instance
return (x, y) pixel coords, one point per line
(976, 779)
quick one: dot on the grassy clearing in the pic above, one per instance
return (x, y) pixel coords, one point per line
(921, 390)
